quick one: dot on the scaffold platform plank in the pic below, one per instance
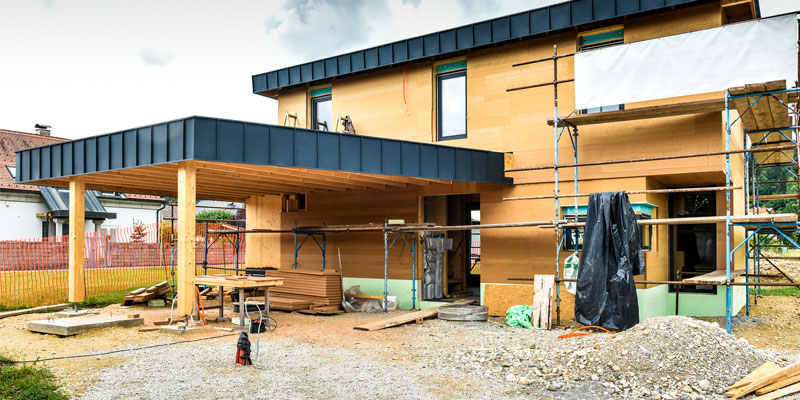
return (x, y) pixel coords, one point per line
(714, 278)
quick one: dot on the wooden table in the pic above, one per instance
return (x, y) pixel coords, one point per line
(241, 283)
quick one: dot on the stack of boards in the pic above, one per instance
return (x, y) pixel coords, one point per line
(307, 291)
(769, 381)
(145, 294)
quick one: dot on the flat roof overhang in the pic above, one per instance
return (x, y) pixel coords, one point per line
(238, 159)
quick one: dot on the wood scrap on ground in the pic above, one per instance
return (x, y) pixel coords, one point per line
(406, 318)
(541, 313)
(13, 313)
(779, 384)
(143, 295)
(769, 379)
(763, 370)
(780, 392)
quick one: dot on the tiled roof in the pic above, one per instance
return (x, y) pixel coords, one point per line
(11, 141)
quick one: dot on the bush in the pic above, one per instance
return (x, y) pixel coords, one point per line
(216, 215)
(29, 383)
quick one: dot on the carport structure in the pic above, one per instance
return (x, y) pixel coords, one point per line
(208, 158)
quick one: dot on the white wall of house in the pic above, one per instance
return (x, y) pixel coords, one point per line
(129, 210)
(18, 218)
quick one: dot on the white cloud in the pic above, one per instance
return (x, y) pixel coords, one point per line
(155, 57)
(86, 67)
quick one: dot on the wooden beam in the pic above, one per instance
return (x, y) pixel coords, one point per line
(187, 185)
(77, 215)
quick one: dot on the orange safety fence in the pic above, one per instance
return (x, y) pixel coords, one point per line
(34, 272)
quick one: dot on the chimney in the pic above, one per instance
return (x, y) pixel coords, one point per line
(43, 130)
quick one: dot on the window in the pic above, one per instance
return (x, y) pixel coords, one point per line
(294, 202)
(595, 39)
(593, 110)
(573, 237)
(451, 101)
(321, 109)
(12, 170)
(603, 37)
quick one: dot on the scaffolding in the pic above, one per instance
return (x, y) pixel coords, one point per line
(757, 229)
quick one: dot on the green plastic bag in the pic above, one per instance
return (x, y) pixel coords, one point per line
(519, 316)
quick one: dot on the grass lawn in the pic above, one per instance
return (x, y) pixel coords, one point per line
(28, 383)
(778, 291)
(36, 288)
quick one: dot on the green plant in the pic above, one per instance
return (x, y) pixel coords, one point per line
(216, 215)
(29, 383)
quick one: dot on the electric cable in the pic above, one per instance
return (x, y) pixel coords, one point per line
(117, 351)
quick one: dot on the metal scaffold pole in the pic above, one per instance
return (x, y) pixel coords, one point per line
(728, 305)
(555, 182)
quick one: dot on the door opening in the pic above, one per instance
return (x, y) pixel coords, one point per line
(693, 247)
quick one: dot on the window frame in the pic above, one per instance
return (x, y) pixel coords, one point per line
(314, 102)
(439, 78)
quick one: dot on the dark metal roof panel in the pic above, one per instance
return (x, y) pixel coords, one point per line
(57, 203)
(494, 31)
(210, 139)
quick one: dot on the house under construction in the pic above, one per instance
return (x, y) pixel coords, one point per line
(491, 134)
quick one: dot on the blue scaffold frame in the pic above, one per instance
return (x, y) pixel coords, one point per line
(760, 233)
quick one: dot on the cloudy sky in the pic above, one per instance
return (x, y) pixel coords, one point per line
(90, 67)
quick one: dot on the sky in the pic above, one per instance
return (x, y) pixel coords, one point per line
(88, 67)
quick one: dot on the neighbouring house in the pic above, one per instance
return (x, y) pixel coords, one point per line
(30, 211)
(442, 119)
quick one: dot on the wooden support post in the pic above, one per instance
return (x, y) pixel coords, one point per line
(77, 215)
(187, 188)
(263, 212)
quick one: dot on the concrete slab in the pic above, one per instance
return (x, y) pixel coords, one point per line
(73, 313)
(177, 329)
(76, 326)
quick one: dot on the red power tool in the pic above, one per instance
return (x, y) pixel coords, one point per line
(243, 350)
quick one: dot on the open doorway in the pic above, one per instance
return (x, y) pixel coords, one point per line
(693, 247)
(452, 270)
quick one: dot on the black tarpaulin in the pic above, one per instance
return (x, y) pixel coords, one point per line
(611, 256)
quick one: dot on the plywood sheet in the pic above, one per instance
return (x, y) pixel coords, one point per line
(500, 297)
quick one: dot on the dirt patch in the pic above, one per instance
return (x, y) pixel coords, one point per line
(777, 324)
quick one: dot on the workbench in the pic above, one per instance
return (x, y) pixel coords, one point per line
(241, 283)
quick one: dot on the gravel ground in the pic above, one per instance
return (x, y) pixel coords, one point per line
(662, 358)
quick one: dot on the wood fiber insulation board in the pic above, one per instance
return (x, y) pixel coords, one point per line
(318, 287)
(500, 297)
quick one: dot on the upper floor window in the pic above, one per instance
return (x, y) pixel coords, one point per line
(12, 170)
(451, 100)
(321, 109)
(598, 38)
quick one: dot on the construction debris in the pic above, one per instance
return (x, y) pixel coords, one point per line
(665, 357)
(406, 318)
(146, 294)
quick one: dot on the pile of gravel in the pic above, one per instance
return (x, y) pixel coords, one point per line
(661, 358)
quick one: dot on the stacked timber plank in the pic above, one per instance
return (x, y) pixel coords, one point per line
(768, 381)
(145, 294)
(316, 292)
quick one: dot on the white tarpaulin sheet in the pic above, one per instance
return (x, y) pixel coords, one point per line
(698, 62)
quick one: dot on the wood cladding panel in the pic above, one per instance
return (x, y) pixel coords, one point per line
(362, 253)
